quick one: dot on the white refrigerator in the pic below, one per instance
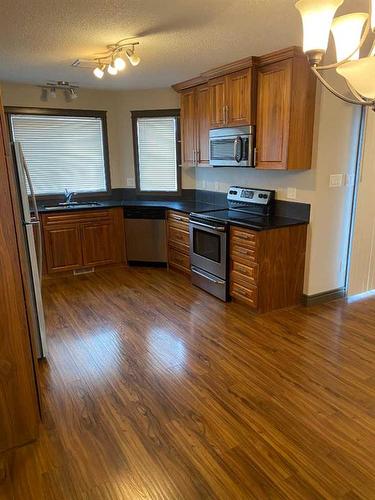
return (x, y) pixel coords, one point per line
(30, 218)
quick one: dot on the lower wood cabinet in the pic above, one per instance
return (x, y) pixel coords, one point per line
(63, 248)
(267, 267)
(98, 243)
(87, 238)
(178, 241)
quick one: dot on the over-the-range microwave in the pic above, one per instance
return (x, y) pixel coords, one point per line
(232, 147)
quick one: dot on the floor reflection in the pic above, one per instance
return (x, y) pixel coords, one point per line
(167, 349)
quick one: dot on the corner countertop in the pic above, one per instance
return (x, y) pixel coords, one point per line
(185, 206)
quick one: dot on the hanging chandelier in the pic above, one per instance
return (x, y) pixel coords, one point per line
(350, 32)
(111, 59)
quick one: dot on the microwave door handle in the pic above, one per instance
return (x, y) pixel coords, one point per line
(237, 155)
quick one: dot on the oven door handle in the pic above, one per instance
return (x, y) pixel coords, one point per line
(202, 275)
(215, 228)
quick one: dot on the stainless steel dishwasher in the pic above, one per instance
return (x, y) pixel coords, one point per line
(145, 235)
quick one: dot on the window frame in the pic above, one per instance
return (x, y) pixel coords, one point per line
(18, 110)
(157, 113)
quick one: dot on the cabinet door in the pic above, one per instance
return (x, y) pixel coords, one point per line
(217, 103)
(203, 123)
(98, 243)
(188, 129)
(273, 114)
(63, 248)
(239, 98)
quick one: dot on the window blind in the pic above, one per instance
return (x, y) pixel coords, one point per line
(62, 152)
(157, 157)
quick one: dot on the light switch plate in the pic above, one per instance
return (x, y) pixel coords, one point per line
(291, 193)
(130, 182)
(336, 180)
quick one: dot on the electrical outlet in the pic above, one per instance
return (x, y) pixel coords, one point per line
(291, 193)
(336, 180)
(203, 183)
(130, 182)
(216, 186)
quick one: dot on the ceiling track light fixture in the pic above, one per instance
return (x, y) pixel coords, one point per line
(49, 90)
(111, 60)
(350, 32)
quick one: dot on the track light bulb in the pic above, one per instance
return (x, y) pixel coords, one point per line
(133, 58)
(112, 70)
(99, 71)
(73, 94)
(52, 93)
(119, 63)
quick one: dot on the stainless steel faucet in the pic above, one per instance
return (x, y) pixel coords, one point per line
(69, 196)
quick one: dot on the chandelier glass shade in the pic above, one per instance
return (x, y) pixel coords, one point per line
(350, 32)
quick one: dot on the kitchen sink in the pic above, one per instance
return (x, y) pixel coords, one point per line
(74, 204)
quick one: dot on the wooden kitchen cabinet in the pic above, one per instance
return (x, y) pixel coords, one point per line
(63, 247)
(20, 405)
(86, 238)
(178, 241)
(195, 126)
(267, 267)
(285, 111)
(217, 95)
(188, 126)
(232, 102)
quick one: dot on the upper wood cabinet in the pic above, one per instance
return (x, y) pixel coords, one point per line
(285, 111)
(232, 100)
(218, 110)
(274, 92)
(195, 125)
(188, 126)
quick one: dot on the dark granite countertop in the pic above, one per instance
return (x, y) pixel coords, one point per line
(186, 206)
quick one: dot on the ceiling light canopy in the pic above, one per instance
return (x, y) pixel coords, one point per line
(111, 59)
(350, 33)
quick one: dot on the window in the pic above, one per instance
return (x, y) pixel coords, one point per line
(156, 151)
(63, 151)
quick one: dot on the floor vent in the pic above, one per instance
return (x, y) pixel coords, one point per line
(86, 270)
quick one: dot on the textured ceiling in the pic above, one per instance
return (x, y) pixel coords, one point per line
(178, 38)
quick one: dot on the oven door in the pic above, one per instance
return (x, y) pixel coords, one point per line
(208, 248)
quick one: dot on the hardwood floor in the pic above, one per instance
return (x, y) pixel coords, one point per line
(154, 389)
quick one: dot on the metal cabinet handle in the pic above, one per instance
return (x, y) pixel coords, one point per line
(224, 116)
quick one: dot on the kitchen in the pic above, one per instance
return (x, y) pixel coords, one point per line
(241, 224)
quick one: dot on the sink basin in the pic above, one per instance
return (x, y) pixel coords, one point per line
(74, 204)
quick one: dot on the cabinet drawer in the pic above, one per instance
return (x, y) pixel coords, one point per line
(243, 252)
(181, 247)
(178, 235)
(176, 219)
(248, 295)
(243, 237)
(179, 260)
(77, 217)
(244, 274)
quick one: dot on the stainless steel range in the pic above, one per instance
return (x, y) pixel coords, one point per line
(209, 235)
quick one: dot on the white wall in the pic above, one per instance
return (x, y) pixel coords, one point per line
(118, 105)
(335, 143)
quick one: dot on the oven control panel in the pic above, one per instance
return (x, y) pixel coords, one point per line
(244, 195)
